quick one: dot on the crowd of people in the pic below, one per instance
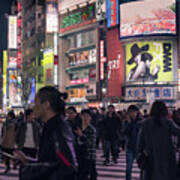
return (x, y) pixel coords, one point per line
(29, 136)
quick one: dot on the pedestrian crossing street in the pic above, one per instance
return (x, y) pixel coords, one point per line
(110, 172)
(115, 171)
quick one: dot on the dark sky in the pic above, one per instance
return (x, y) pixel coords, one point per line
(5, 8)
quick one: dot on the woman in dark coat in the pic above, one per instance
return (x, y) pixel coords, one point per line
(155, 139)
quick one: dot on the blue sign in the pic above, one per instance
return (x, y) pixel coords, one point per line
(112, 12)
(141, 93)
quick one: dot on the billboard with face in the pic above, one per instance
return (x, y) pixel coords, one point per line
(147, 17)
(149, 61)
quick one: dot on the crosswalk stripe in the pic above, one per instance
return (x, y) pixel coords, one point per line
(115, 171)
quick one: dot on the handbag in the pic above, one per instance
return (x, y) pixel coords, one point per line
(143, 160)
(60, 170)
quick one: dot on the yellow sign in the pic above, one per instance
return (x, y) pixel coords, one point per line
(48, 67)
(149, 61)
(5, 63)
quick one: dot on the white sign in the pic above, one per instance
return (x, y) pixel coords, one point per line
(68, 4)
(12, 62)
(100, 10)
(51, 17)
(12, 32)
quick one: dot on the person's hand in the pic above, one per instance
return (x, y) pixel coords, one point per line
(78, 132)
(19, 155)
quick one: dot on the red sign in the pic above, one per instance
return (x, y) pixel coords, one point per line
(79, 81)
(115, 63)
(102, 60)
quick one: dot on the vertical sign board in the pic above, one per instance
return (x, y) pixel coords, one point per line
(178, 80)
(100, 10)
(115, 63)
(12, 32)
(19, 52)
(5, 64)
(51, 17)
(112, 9)
(102, 60)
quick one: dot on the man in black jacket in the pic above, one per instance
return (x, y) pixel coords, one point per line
(111, 129)
(131, 133)
(50, 108)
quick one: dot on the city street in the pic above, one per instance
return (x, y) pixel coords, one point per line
(111, 172)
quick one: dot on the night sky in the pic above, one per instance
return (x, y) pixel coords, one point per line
(5, 8)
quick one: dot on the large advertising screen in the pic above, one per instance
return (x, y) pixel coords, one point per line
(149, 61)
(12, 32)
(147, 17)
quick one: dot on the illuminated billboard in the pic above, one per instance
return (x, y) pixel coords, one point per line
(51, 17)
(5, 65)
(14, 89)
(149, 61)
(112, 12)
(48, 67)
(147, 17)
(100, 10)
(12, 32)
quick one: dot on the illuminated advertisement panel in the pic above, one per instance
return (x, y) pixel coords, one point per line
(19, 39)
(149, 61)
(149, 93)
(51, 17)
(147, 17)
(100, 10)
(112, 12)
(14, 89)
(48, 67)
(78, 18)
(115, 63)
(5, 65)
(12, 32)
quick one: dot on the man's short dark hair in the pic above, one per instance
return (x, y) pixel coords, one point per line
(133, 108)
(28, 112)
(86, 111)
(111, 106)
(72, 108)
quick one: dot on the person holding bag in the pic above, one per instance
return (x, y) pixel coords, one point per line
(56, 149)
(155, 150)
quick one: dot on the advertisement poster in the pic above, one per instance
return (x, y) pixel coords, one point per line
(14, 88)
(100, 10)
(51, 17)
(48, 67)
(149, 61)
(12, 32)
(112, 12)
(115, 65)
(5, 65)
(147, 17)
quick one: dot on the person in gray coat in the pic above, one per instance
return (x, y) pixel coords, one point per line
(155, 139)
